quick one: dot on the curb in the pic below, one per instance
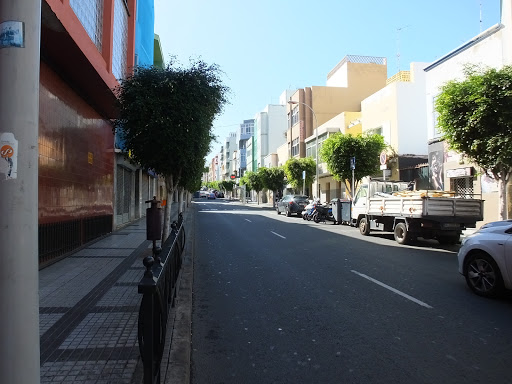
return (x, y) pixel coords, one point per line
(175, 366)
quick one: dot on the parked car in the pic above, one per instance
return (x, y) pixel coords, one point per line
(203, 193)
(211, 196)
(292, 204)
(485, 258)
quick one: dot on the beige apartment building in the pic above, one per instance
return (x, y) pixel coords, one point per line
(353, 79)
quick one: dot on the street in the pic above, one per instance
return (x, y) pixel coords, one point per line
(281, 300)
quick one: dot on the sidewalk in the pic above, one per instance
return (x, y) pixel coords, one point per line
(88, 310)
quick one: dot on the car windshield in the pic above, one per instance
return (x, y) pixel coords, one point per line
(300, 198)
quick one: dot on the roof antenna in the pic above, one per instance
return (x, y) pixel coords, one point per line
(480, 17)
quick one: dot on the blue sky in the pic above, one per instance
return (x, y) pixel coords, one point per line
(267, 46)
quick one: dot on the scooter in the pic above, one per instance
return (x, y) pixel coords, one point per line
(323, 213)
(307, 213)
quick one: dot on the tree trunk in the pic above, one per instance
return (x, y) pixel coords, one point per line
(169, 184)
(502, 188)
(180, 200)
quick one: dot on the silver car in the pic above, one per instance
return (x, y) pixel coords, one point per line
(485, 259)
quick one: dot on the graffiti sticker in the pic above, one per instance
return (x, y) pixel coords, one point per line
(8, 155)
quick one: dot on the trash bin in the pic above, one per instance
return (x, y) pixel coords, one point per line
(336, 210)
(345, 211)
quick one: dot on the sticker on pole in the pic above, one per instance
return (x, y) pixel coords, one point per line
(12, 34)
(8, 155)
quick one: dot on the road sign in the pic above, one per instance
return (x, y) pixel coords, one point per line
(383, 158)
(352, 163)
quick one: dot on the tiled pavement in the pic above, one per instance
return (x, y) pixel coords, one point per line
(88, 308)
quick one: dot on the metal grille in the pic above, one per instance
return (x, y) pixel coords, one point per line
(358, 59)
(90, 14)
(123, 194)
(137, 193)
(145, 187)
(56, 240)
(462, 186)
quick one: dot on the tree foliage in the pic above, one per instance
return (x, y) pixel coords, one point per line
(294, 167)
(227, 185)
(165, 120)
(273, 179)
(475, 118)
(338, 149)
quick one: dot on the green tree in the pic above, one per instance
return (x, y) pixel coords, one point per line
(227, 185)
(254, 182)
(213, 185)
(475, 118)
(293, 169)
(338, 149)
(165, 119)
(274, 180)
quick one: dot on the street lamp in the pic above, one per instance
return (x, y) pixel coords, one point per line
(291, 102)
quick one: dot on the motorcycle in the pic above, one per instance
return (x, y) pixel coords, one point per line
(307, 213)
(323, 213)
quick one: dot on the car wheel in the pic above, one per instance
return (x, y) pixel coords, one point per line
(288, 214)
(364, 227)
(483, 275)
(402, 235)
(278, 211)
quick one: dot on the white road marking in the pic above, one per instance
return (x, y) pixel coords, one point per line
(248, 220)
(393, 290)
(277, 234)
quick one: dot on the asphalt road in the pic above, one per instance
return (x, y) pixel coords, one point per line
(282, 300)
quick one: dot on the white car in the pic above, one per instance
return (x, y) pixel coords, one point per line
(485, 258)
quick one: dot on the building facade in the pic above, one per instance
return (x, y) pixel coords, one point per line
(448, 170)
(86, 47)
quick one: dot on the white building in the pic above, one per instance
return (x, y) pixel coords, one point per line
(491, 48)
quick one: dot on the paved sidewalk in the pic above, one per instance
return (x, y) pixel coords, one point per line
(88, 310)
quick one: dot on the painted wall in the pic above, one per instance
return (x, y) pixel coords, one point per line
(486, 51)
(399, 110)
(75, 181)
(145, 32)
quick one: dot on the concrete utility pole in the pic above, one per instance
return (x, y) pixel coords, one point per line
(20, 34)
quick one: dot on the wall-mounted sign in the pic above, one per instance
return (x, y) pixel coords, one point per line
(12, 34)
(459, 172)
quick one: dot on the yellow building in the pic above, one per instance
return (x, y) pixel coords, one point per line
(353, 79)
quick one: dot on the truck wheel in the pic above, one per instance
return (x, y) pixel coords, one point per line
(402, 235)
(364, 227)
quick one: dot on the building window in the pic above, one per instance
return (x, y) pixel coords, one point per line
(375, 131)
(295, 147)
(462, 186)
(90, 14)
(311, 149)
(120, 39)
(295, 115)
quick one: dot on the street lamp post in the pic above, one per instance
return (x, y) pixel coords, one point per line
(291, 102)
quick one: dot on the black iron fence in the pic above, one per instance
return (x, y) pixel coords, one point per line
(58, 239)
(158, 287)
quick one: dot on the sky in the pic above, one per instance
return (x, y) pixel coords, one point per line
(267, 46)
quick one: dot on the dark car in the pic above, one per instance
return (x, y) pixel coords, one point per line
(291, 204)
